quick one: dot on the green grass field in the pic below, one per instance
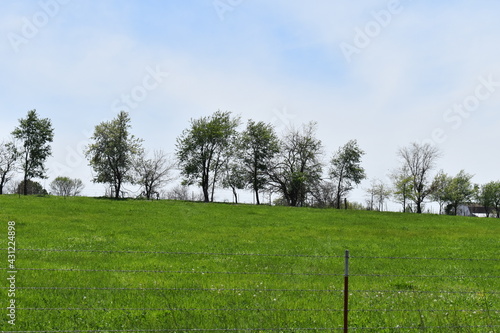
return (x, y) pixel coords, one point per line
(179, 266)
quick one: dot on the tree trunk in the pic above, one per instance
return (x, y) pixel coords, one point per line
(255, 176)
(339, 197)
(206, 194)
(419, 207)
(235, 195)
(2, 184)
(213, 187)
(25, 185)
(205, 186)
(117, 184)
(117, 191)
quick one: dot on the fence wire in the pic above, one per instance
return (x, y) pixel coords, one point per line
(252, 254)
(169, 272)
(182, 253)
(257, 309)
(419, 328)
(250, 273)
(472, 292)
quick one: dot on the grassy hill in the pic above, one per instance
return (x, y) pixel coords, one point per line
(103, 265)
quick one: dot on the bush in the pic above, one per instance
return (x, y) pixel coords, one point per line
(33, 188)
(65, 187)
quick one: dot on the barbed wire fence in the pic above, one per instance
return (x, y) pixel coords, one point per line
(341, 306)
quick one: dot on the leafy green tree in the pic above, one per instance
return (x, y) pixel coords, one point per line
(30, 188)
(8, 163)
(459, 190)
(420, 159)
(402, 186)
(484, 196)
(234, 178)
(438, 189)
(488, 195)
(346, 170)
(452, 191)
(65, 186)
(112, 152)
(496, 197)
(378, 193)
(205, 148)
(297, 168)
(258, 146)
(35, 135)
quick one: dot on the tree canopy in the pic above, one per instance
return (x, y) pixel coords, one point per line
(402, 186)
(346, 170)
(488, 195)
(203, 149)
(65, 186)
(152, 173)
(215, 152)
(35, 135)
(258, 146)
(419, 159)
(8, 163)
(453, 191)
(297, 169)
(112, 152)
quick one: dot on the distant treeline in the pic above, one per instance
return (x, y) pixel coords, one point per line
(218, 151)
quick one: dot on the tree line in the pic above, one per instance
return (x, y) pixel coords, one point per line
(218, 151)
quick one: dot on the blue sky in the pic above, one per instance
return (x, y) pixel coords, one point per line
(386, 73)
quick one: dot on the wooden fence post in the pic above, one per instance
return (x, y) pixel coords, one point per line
(346, 292)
